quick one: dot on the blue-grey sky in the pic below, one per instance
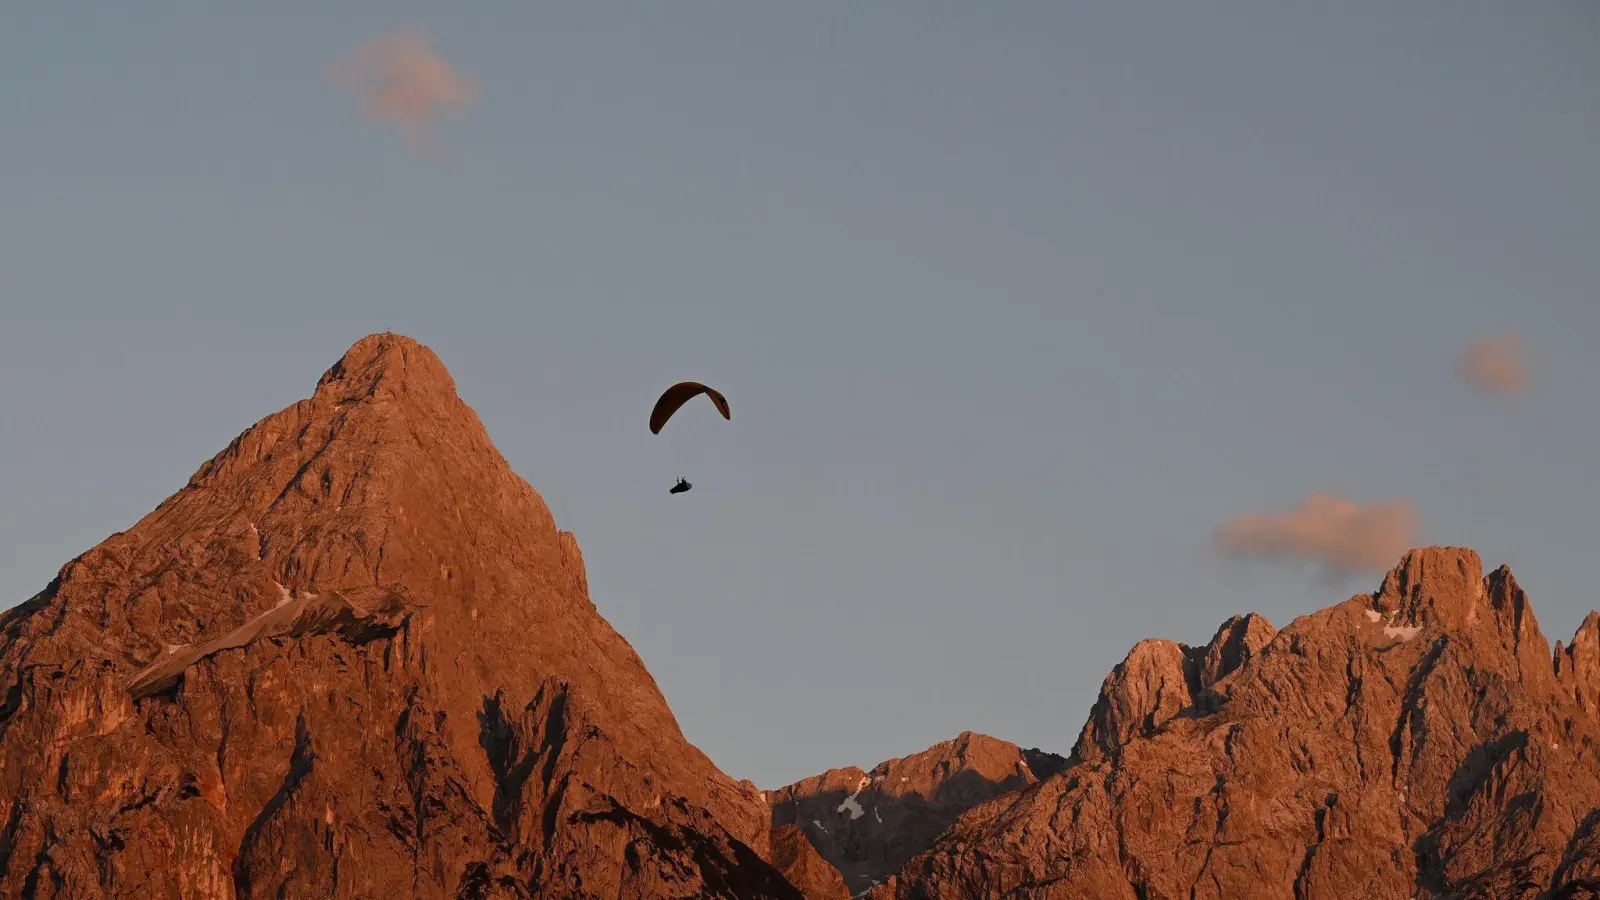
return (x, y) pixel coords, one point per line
(1014, 303)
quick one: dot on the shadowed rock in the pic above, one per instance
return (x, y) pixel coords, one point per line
(867, 824)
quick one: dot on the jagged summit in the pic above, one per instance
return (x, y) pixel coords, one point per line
(1415, 741)
(392, 398)
(1444, 583)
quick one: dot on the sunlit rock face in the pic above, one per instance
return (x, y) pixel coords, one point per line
(1418, 741)
(352, 658)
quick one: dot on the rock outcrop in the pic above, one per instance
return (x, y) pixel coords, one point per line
(352, 658)
(1159, 680)
(805, 868)
(1418, 741)
(868, 823)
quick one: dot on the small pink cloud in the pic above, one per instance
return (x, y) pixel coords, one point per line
(1340, 534)
(399, 79)
(1496, 365)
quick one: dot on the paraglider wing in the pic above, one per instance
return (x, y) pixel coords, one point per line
(678, 395)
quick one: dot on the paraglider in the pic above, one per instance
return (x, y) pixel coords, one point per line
(672, 400)
(679, 394)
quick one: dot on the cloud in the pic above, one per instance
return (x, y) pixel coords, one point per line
(1340, 534)
(400, 80)
(1496, 365)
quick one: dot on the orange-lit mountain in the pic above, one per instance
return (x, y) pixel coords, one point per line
(352, 658)
(1419, 741)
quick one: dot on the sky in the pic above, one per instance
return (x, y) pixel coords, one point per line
(1046, 327)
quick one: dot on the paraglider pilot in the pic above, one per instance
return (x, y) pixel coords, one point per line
(676, 396)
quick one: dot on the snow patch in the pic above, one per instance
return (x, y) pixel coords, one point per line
(285, 596)
(850, 803)
(1373, 615)
(1402, 632)
(876, 816)
(819, 825)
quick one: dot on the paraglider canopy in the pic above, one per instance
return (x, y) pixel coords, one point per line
(679, 394)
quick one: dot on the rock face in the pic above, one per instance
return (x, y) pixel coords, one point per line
(1415, 742)
(800, 863)
(1160, 680)
(867, 824)
(352, 658)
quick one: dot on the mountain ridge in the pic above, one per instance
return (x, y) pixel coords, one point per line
(1410, 742)
(867, 823)
(354, 656)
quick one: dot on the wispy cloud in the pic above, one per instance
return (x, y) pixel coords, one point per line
(400, 80)
(1340, 534)
(1496, 365)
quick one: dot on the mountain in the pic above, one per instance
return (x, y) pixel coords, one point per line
(353, 657)
(867, 824)
(1419, 741)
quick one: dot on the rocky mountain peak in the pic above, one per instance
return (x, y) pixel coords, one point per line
(1411, 742)
(1443, 591)
(354, 635)
(1160, 679)
(386, 365)
(1577, 666)
(1235, 642)
(1434, 584)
